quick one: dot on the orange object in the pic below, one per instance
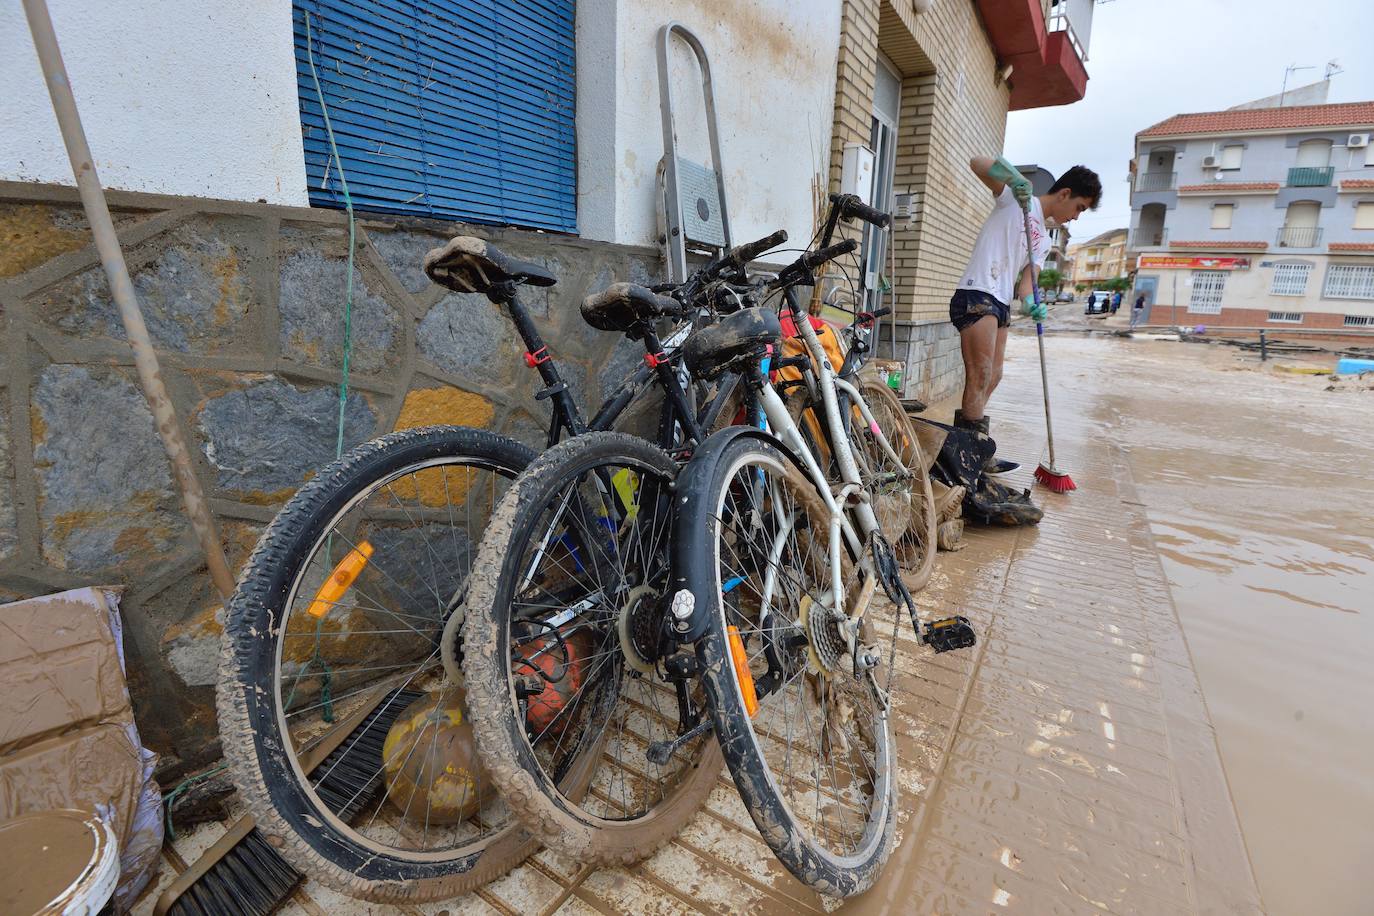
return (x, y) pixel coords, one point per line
(349, 568)
(742, 673)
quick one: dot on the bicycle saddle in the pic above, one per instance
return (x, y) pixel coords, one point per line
(713, 348)
(471, 265)
(620, 305)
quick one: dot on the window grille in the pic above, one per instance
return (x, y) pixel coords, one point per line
(1349, 281)
(1359, 321)
(1286, 317)
(1290, 279)
(1207, 289)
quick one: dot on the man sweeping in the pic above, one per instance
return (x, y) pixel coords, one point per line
(1000, 271)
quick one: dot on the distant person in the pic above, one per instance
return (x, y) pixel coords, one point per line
(1116, 301)
(1138, 310)
(1001, 270)
(1092, 302)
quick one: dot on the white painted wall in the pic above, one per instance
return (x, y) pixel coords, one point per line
(191, 99)
(773, 68)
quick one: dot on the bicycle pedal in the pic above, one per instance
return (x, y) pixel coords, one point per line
(948, 634)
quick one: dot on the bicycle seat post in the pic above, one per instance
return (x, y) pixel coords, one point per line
(565, 412)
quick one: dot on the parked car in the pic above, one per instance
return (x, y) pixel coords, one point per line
(1064, 297)
(1102, 305)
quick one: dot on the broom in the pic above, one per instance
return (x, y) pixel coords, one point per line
(1047, 474)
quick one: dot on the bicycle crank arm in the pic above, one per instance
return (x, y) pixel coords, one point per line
(660, 752)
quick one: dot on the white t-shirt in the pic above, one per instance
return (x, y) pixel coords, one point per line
(1000, 252)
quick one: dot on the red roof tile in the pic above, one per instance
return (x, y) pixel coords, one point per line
(1221, 246)
(1356, 183)
(1223, 186)
(1351, 246)
(1210, 122)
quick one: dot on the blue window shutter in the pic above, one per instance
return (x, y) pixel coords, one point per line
(455, 109)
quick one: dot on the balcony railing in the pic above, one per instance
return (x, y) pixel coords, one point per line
(1149, 238)
(1059, 22)
(1310, 176)
(1155, 181)
(1300, 237)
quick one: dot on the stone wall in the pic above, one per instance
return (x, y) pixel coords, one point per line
(245, 305)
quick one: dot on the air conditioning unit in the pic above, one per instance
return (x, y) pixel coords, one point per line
(1356, 141)
(1210, 162)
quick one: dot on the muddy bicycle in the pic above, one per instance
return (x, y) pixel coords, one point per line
(618, 584)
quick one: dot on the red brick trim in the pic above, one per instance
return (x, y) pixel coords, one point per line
(1357, 184)
(1351, 246)
(1221, 246)
(1222, 187)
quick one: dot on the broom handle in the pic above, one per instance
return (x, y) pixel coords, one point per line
(1039, 333)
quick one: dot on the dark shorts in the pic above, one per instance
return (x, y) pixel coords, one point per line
(969, 305)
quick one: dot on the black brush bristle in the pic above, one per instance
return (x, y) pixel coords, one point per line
(252, 879)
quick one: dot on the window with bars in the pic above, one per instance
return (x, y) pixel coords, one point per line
(1349, 281)
(1286, 317)
(1207, 289)
(1359, 321)
(1290, 279)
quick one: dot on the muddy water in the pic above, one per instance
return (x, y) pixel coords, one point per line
(1260, 492)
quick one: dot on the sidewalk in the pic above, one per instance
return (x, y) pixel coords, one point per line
(1065, 765)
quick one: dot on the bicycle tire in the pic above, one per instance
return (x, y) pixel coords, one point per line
(286, 808)
(728, 463)
(563, 819)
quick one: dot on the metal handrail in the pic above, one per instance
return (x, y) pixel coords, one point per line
(1299, 237)
(1155, 181)
(1309, 176)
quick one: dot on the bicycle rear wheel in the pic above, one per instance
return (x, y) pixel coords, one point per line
(901, 494)
(808, 743)
(345, 738)
(564, 631)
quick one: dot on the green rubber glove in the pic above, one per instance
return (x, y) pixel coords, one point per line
(1032, 309)
(1006, 173)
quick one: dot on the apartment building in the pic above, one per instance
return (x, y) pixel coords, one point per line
(1099, 259)
(1257, 217)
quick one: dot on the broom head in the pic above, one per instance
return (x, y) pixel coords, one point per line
(1055, 479)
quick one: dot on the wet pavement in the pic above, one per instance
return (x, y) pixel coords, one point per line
(1067, 764)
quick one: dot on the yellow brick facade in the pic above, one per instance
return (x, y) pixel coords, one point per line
(953, 107)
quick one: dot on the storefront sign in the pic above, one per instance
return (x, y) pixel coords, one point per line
(1170, 262)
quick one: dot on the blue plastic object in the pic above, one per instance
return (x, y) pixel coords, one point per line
(1354, 366)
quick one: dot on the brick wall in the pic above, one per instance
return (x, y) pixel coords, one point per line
(952, 109)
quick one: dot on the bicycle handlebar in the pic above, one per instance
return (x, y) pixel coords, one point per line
(850, 206)
(737, 257)
(802, 267)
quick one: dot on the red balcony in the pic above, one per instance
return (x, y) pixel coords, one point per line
(1047, 65)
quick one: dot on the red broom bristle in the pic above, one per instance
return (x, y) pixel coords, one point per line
(1055, 480)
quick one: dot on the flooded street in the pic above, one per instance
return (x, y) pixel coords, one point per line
(1259, 488)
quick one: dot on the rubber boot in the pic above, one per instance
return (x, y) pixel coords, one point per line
(979, 427)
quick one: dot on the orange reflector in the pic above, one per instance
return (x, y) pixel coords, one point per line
(742, 674)
(339, 580)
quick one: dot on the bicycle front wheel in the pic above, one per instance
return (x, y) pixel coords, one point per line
(807, 741)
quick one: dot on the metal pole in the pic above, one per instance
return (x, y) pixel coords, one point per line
(107, 243)
(1173, 309)
(1264, 351)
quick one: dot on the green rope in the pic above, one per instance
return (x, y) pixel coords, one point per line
(326, 695)
(170, 799)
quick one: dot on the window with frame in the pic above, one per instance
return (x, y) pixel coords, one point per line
(1208, 286)
(1364, 215)
(1221, 215)
(1349, 281)
(1286, 317)
(1290, 279)
(1231, 156)
(1358, 321)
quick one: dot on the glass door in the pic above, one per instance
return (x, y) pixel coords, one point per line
(887, 97)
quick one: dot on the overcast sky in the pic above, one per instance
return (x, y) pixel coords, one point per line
(1149, 59)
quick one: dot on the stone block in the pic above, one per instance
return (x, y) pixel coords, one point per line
(624, 359)
(105, 491)
(33, 234)
(312, 304)
(269, 437)
(444, 405)
(466, 335)
(404, 254)
(194, 291)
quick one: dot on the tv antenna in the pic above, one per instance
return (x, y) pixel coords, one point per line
(1287, 72)
(1333, 68)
